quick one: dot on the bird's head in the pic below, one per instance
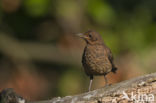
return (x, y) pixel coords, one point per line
(91, 37)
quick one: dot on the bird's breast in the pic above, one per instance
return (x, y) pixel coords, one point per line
(95, 60)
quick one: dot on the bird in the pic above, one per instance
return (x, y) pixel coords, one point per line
(97, 58)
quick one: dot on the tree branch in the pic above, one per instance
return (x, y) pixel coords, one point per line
(140, 86)
(135, 90)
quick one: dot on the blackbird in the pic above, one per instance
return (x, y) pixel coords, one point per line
(97, 58)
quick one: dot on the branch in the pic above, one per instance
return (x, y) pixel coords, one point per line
(142, 88)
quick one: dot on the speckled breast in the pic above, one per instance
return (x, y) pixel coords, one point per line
(95, 60)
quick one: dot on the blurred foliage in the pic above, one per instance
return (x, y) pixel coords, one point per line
(70, 85)
(37, 7)
(44, 30)
(100, 11)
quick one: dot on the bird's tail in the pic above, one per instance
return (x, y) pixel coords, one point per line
(114, 69)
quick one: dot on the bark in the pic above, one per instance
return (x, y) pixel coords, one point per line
(138, 90)
(143, 88)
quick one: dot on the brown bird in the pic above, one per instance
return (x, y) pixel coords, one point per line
(97, 58)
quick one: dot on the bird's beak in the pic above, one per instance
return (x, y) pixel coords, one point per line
(81, 35)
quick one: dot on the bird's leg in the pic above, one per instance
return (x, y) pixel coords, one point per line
(90, 84)
(106, 81)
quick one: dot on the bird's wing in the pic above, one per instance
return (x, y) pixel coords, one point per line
(102, 60)
(110, 57)
(109, 54)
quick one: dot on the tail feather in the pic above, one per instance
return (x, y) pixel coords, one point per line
(114, 69)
